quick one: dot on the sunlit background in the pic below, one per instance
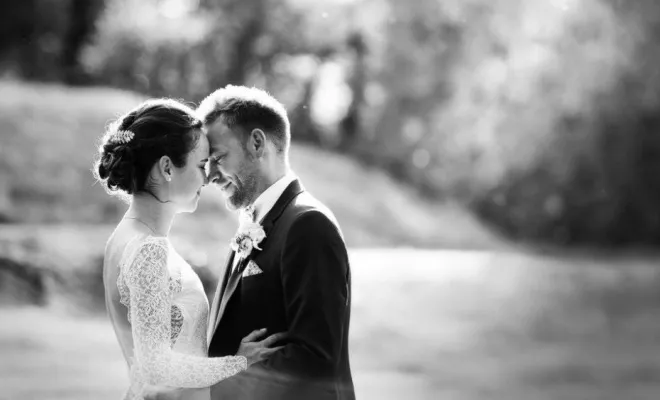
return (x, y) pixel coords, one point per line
(492, 163)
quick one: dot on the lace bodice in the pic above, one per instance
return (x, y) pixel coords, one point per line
(168, 314)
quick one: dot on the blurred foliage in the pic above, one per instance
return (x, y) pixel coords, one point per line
(44, 39)
(188, 48)
(540, 116)
(594, 106)
(51, 133)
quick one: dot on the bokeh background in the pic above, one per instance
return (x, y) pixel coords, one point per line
(493, 165)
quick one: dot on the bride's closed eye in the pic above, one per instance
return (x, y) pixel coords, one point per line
(202, 164)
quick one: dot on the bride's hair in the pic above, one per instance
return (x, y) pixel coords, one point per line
(135, 141)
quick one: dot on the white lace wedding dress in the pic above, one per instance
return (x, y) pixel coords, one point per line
(168, 318)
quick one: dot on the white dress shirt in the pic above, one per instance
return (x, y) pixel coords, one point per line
(263, 204)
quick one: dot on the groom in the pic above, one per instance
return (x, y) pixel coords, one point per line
(298, 280)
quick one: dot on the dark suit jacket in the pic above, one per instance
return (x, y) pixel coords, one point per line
(305, 290)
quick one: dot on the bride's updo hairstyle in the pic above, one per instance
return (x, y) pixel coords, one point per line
(134, 142)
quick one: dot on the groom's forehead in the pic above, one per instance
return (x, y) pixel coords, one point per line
(222, 143)
(217, 147)
(218, 129)
(219, 134)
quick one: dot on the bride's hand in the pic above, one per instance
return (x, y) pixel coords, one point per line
(256, 351)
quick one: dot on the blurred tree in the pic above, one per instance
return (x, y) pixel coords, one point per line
(351, 124)
(414, 54)
(208, 45)
(20, 32)
(539, 115)
(42, 39)
(83, 15)
(593, 177)
(476, 100)
(254, 22)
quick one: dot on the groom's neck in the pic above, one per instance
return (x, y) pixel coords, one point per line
(269, 177)
(267, 182)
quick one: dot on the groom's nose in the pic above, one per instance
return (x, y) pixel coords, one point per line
(216, 177)
(214, 174)
(217, 180)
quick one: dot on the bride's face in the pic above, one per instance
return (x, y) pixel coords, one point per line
(187, 182)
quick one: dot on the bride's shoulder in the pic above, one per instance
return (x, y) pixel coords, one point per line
(147, 245)
(150, 240)
(126, 248)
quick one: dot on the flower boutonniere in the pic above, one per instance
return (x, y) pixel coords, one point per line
(248, 237)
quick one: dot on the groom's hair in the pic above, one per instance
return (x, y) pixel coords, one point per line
(248, 108)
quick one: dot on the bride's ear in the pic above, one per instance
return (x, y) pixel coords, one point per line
(165, 168)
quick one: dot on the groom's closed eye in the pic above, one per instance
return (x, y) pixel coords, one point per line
(215, 159)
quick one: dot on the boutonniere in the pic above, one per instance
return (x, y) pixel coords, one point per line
(248, 237)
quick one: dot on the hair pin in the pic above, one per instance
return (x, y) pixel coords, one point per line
(121, 137)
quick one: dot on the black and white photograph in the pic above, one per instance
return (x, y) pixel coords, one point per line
(329, 200)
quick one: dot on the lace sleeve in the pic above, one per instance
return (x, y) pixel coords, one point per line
(147, 279)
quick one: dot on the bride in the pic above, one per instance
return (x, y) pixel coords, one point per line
(155, 155)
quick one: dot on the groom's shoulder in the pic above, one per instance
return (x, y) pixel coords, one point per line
(308, 210)
(306, 203)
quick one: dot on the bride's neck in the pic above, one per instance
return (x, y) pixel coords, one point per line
(158, 217)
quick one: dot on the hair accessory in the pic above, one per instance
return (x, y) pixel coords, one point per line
(121, 137)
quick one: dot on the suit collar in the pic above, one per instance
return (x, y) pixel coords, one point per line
(290, 193)
(269, 197)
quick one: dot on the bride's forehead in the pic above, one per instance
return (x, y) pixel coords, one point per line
(203, 144)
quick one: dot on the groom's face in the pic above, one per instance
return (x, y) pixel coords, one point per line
(231, 167)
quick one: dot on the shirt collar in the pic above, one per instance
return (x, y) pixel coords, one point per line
(269, 197)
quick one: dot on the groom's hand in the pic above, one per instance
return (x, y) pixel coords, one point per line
(255, 350)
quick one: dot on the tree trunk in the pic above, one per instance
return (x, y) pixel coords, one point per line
(82, 18)
(243, 48)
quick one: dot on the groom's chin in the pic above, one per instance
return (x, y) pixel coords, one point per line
(236, 202)
(230, 205)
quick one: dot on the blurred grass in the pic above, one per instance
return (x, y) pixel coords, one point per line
(48, 142)
(463, 325)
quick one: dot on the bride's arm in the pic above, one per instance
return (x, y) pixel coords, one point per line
(148, 280)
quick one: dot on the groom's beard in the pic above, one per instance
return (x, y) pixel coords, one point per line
(244, 194)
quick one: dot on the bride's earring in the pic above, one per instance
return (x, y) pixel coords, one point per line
(168, 178)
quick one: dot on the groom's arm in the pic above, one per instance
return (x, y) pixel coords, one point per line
(316, 288)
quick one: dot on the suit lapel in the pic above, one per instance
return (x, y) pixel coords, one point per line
(213, 317)
(231, 282)
(290, 193)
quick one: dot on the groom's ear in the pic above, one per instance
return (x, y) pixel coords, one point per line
(257, 142)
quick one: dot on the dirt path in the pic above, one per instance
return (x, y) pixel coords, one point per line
(426, 325)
